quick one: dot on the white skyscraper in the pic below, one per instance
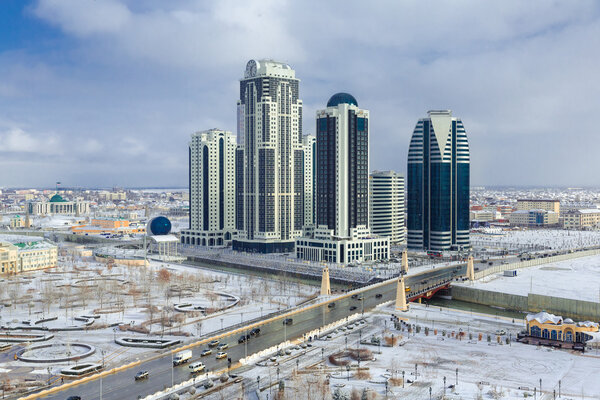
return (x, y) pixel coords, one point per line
(386, 202)
(270, 164)
(310, 176)
(212, 188)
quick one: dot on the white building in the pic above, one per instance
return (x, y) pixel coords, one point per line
(212, 189)
(58, 205)
(26, 253)
(386, 202)
(269, 173)
(342, 233)
(309, 142)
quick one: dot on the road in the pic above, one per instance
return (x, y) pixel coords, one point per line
(121, 385)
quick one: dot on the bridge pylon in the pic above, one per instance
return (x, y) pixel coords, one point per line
(470, 269)
(325, 286)
(405, 261)
(401, 296)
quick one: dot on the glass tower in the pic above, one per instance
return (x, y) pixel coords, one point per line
(438, 184)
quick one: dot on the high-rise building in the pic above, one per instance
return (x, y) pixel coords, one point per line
(212, 189)
(270, 163)
(438, 184)
(342, 233)
(310, 179)
(386, 201)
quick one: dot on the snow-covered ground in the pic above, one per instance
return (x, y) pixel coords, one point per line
(486, 370)
(578, 278)
(546, 238)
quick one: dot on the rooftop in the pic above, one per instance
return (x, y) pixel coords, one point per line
(341, 98)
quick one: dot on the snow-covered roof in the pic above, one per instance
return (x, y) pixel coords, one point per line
(543, 317)
(588, 324)
(590, 211)
(164, 238)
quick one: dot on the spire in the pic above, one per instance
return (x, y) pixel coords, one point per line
(404, 262)
(470, 269)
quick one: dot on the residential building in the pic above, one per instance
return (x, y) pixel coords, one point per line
(342, 233)
(386, 202)
(8, 259)
(58, 205)
(539, 204)
(482, 215)
(24, 253)
(582, 219)
(533, 218)
(212, 189)
(270, 162)
(438, 184)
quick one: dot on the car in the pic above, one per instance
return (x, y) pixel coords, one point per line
(222, 346)
(330, 305)
(197, 367)
(205, 352)
(74, 397)
(221, 355)
(141, 375)
(352, 308)
(213, 343)
(208, 384)
(354, 296)
(255, 332)
(243, 338)
(490, 263)
(288, 321)
(360, 297)
(378, 296)
(500, 332)
(303, 345)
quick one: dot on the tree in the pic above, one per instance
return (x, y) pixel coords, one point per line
(164, 276)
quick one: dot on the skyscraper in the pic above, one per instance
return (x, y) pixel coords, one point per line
(310, 179)
(386, 202)
(212, 188)
(438, 184)
(342, 233)
(270, 164)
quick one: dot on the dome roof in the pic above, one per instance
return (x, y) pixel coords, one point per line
(159, 226)
(341, 98)
(57, 198)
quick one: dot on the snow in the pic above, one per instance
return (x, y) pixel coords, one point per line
(577, 278)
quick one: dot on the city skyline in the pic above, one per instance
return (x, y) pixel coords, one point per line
(88, 101)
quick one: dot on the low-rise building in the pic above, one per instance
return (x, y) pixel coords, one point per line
(58, 205)
(22, 254)
(539, 204)
(582, 219)
(549, 326)
(533, 218)
(482, 215)
(320, 244)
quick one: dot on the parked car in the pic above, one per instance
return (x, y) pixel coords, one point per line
(141, 375)
(255, 332)
(74, 397)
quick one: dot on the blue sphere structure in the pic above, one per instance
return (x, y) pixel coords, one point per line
(341, 98)
(159, 226)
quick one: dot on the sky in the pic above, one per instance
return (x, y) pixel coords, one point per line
(101, 93)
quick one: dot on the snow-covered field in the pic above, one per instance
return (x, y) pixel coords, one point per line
(122, 294)
(546, 238)
(578, 278)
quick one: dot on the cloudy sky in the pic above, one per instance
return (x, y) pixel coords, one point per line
(107, 92)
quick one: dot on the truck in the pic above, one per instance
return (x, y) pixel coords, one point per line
(182, 357)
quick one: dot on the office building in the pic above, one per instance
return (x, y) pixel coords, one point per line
(585, 219)
(58, 205)
(342, 233)
(212, 189)
(438, 184)
(270, 162)
(533, 218)
(539, 204)
(386, 203)
(24, 253)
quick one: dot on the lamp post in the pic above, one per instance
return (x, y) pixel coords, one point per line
(258, 383)
(221, 323)
(540, 386)
(278, 375)
(456, 383)
(444, 386)
(172, 371)
(348, 371)
(402, 379)
(429, 392)
(416, 373)
(559, 382)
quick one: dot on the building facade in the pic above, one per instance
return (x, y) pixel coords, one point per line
(586, 219)
(386, 204)
(8, 259)
(549, 326)
(58, 205)
(539, 204)
(533, 218)
(270, 162)
(438, 180)
(212, 189)
(310, 179)
(23, 254)
(342, 231)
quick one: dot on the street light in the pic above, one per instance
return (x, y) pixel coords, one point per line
(402, 379)
(348, 371)
(444, 386)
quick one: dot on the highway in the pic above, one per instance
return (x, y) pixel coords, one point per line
(121, 385)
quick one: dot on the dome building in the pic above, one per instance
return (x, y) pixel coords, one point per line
(58, 205)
